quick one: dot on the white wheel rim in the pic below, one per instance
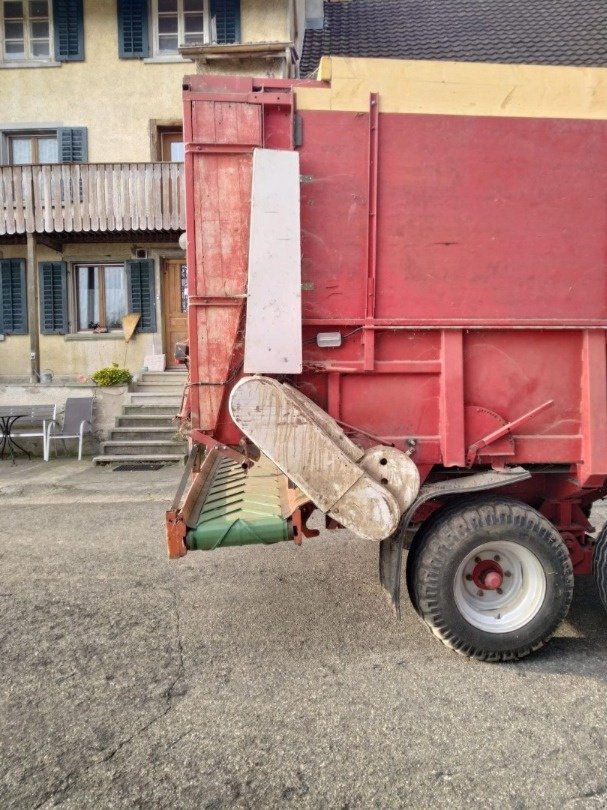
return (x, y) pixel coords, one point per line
(520, 596)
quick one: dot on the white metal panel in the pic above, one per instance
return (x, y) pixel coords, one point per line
(273, 321)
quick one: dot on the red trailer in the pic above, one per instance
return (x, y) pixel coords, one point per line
(397, 316)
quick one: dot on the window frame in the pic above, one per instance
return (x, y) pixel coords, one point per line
(155, 51)
(35, 135)
(74, 268)
(28, 58)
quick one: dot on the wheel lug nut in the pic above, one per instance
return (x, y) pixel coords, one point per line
(499, 590)
(468, 577)
(480, 593)
(477, 559)
(507, 574)
(497, 558)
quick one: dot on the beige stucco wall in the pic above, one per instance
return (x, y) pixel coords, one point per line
(116, 98)
(265, 21)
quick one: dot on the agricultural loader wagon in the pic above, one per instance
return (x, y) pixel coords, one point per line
(397, 280)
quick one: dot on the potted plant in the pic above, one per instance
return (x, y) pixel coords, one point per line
(112, 375)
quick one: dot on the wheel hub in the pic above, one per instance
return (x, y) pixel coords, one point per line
(488, 575)
(499, 586)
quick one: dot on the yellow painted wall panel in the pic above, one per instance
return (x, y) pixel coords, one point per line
(460, 88)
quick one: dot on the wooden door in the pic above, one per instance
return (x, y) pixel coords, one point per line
(175, 307)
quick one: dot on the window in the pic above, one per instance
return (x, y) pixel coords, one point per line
(27, 30)
(169, 144)
(63, 145)
(41, 31)
(101, 296)
(40, 147)
(179, 22)
(162, 26)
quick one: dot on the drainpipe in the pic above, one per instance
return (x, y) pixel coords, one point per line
(32, 309)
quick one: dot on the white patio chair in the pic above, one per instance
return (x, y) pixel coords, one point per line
(77, 420)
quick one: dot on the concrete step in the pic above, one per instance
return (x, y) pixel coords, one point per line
(161, 387)
(147, 448)
(150, 409)
(141, 418)
(149, 433)
(164, 376)
(143, 458)
(155, 399)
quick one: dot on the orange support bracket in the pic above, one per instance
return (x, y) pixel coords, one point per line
(175, 534)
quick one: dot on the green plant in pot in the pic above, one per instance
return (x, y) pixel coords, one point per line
(112, 375)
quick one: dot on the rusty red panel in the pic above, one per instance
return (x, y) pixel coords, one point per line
(224, 122)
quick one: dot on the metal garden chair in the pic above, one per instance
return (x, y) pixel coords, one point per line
(77, 420)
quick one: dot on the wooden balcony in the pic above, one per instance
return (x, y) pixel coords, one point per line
(91, 197)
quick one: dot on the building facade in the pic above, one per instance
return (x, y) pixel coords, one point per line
(91, 181)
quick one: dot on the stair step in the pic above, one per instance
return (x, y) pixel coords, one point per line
(155, 398)
(149, 433)
(137, 432)
(143, 458)
(162, 387)
(169, 376)
(148, 448)
(150, 409)
(145, 420)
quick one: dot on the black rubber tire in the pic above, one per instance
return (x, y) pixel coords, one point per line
(599, 565)
(448, 536)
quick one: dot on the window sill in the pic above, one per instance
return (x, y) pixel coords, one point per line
(92, 336)
(29, 64)
(172, 59)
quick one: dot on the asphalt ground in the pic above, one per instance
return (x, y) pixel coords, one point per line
(259, 677)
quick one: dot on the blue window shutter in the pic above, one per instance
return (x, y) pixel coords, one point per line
(226, 21)
(142, 293)
(53, 298)
(13, 297)
(133, 36)
(73, 144)
(68, 23)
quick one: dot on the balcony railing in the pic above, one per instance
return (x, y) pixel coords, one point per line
(91, 197)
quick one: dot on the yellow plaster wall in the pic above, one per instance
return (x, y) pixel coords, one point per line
(15, 356)
(84, 357)
(263, 21)
(116, 98)
(459, 88)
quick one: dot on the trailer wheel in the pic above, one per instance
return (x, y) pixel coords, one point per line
(491, 578)
(599, 565)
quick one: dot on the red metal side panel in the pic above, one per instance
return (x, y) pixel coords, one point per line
(334, 214)
(492, 218)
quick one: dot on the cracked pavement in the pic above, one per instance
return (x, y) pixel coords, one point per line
(260, 677)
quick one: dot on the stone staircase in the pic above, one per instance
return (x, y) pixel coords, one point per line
(146, 431)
